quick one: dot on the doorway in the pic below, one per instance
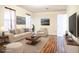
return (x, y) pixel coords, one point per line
(62, 24)
(62, 27)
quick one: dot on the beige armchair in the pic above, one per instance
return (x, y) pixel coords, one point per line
(42, 32)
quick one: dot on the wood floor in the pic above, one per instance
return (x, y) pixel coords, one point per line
(51, 45)
(54, 45)
(60, 44)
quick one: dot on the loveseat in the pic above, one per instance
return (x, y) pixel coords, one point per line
(42, 32)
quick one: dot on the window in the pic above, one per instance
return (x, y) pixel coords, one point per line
(9, 19)
(28, 21)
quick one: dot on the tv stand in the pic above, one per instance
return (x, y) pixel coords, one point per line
(71, 41)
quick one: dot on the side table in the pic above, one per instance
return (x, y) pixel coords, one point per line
(4, 39)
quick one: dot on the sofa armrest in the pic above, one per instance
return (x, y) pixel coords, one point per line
(11, 37)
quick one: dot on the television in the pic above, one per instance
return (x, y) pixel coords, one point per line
(20, 20)
(74, 24)
(78, 25)
(45, 21)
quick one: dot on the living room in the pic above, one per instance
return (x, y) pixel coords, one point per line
(33, 29)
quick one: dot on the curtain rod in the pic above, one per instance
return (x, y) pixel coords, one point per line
(28, 14)
(10, 8)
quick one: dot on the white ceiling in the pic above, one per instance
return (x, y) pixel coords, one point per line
(44, 8)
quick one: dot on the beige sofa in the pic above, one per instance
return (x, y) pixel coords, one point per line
(20, 34)
(42, 32)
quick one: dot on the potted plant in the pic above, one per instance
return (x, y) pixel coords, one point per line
(33, 28)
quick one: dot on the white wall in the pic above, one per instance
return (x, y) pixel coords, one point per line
(52, 28)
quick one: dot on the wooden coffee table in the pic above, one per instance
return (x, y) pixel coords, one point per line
(34, 40)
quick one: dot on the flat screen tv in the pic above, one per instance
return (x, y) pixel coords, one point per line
(20, 20)
(73, 24)
(78, 25)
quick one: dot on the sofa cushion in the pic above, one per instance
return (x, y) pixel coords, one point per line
(26, 30)
(17, 31)
(21, 30)
(12, 31)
